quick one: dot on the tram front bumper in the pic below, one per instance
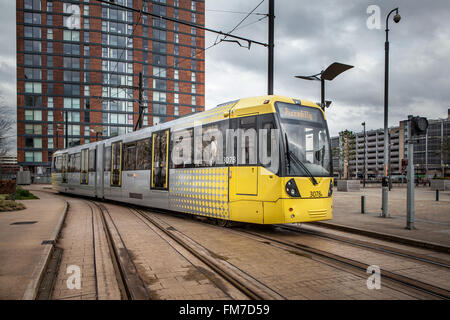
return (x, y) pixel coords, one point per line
(307, 210)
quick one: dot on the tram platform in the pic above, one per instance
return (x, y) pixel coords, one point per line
(432, 218)
(21, 235)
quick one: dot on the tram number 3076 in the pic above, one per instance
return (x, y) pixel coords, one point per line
(316, 194)
(243, 309)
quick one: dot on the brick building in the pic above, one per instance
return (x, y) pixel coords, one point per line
(84, 58)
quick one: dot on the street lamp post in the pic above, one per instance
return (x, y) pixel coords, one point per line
(385, 183)
(329, 74)
(364, 170)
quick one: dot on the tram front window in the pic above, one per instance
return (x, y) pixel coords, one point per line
(308, 147)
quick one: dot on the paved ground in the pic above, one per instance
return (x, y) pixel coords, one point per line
(20, 245)
(432, 218)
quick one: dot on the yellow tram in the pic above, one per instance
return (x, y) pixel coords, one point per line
(264, 160)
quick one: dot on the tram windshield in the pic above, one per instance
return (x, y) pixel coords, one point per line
(305, 132)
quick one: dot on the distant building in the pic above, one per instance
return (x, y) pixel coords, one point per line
(84, 57)
(431, 152)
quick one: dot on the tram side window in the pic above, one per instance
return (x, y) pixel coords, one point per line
(129, 158)
(267, 123)
(54, 165)
(92, 160)
(213, 144)
(245, 151)
(77, 162)
(181, 149)
(144, 151)
(107, 159)
(70, 165)
(58, 164)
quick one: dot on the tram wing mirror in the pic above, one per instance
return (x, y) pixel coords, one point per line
(318, 154)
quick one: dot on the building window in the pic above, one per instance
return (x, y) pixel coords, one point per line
(33, 156)
(71, 49)
(193, 77)
(33, 115)
(159, 96)
(32, 18)
(159, 109)
(49, 6)
(176, 98)
(33, 74)
(50, 116)
(176, 74)
(159, 84)
(71, 103)
(33, 128)
(32, 59)
(50, 75)
(49, 20)
(33, 142)
(71, 35)
(32, 45)
(33, 87)
(72, 89)
(50, 102)
(33, 101)
(32, 4)
(32, 32)
(159, 72)
(175, 111)
(193, 100)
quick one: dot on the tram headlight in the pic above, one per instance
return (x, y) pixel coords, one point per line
(330, 191)
(291, 189)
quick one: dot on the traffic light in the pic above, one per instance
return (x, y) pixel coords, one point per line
(419, 126)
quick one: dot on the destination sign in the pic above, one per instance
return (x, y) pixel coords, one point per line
(297, 112)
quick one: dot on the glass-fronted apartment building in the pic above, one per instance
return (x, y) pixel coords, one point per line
(83, 58)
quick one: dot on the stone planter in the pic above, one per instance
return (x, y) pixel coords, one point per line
(348, 185)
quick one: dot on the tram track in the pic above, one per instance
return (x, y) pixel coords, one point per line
(245, 283)
(130, 283)
(325, 256)
(369, 245)
(249, 285)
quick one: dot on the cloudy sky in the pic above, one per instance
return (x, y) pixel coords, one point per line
(308, 37)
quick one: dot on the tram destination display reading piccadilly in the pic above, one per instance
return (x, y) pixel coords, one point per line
(295, 112)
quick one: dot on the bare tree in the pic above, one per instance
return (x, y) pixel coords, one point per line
(6, 125)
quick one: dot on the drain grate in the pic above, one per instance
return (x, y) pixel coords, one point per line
(48, 242)
(24, 222)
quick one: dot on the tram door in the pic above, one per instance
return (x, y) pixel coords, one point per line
(116, 164)
(64, 168)
(84, 177)
(160, 152)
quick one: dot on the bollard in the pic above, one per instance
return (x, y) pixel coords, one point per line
(437, 194)
(363, 204)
